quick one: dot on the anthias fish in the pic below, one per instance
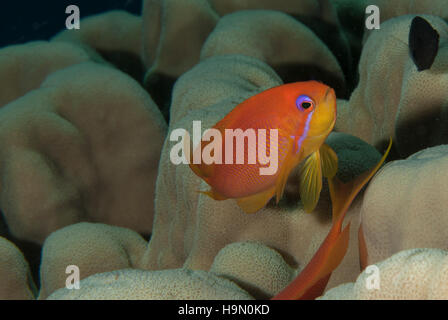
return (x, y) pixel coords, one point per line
(303, 114)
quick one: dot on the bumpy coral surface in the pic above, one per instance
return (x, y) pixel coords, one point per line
(20, 72)
(85, 151)
(15, 277)
(93, 248)
(68, 154)
(392, 93)
(416, 274)
(131, 284)
(402, 207)
(251, 264)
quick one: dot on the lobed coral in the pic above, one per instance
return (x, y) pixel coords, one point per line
(129, 284)
(378, 109)
(85, 152)
(67, 154)
(92, 247)
(415, 274)
(15, 277)
(411, 190)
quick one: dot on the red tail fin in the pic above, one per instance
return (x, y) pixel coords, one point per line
(311, 282)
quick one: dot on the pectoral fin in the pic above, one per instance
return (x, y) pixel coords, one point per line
(329, 161)
(255, 202)
(310, 181)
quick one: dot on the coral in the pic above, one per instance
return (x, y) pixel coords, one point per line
(310, 8)
(84, 146)
(391, 92)
(392, 9)
(20, 73)
(408, 275)
(15, 278)
(404, 206)
(113, 37)
(173, 34)
(174, 31)
(111, 31)
(282, 46)
(85, 159)
(92, 247)
(101, 249)
(318, 15)
(260, 270)
(354, 155)
(181, 284)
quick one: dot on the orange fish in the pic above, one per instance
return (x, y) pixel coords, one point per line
(303, 114)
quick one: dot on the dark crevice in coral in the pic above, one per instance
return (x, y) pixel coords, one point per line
(30, 250)
(251, 289)
(146, 236)
(393, 153)
(127, 62)
(345, 46)
(302, 72)
(352, 20)
(426, 130)
(331, 35)
(160, 87)
(289, 259)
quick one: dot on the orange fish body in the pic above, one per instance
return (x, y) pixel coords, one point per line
(303, 114)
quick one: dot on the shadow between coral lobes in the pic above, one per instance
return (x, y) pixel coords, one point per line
(32, 251)
(304, 72)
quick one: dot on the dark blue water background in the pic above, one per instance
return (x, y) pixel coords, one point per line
(23, 21)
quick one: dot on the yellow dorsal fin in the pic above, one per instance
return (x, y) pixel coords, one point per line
(310, 181)
(255, 202)
(329, 161)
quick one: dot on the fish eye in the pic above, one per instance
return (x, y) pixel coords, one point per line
(304, 102)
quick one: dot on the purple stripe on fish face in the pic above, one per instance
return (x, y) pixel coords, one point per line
(305, 131)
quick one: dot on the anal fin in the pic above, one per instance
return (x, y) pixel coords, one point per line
(252, 204)
(214, 195)
(329, 160)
